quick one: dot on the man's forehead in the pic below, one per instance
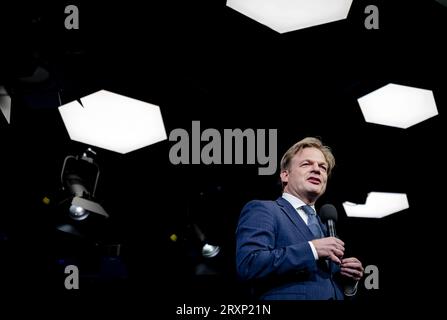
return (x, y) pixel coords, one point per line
(310, 153)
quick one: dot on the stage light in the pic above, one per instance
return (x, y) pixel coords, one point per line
(81, 208)
(378, 205)
(79, 178)
(5, 104)
(289, 15)
(77, 212)
(113, 122)
(208, 250)
(398, 106)
(195, 241)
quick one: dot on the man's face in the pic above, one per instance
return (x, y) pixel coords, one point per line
(306, 177)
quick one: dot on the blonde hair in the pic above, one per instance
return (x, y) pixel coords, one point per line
(309, 142)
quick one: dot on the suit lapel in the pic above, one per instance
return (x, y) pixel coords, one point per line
(290, 211)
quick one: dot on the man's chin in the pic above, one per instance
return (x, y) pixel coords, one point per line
(315, 192)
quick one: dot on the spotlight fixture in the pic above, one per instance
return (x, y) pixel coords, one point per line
(289, 15)
(195, 241)
(79, 178)
(208, 250)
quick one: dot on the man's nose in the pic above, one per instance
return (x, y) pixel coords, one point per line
(316, 167)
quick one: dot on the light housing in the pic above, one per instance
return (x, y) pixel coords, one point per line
(208, 250)
(79, 212)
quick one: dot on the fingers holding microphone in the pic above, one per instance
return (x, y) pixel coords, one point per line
(331, 248)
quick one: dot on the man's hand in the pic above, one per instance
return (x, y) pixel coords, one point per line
(331, 247)
(351, 268)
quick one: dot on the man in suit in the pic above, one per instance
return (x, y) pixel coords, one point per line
(282, 246)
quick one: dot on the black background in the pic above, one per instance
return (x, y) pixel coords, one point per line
(200, 60)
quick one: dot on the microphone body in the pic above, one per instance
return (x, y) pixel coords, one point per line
(328, 214)
(331, 228)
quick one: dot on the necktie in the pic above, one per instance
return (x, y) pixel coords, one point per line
(312, 222)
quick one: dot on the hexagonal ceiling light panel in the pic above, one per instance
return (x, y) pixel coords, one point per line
(378, 205)
(398, 106)
(113, 122)
(5, 104)
(289, 15)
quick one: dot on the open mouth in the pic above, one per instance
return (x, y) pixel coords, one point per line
(314, 180)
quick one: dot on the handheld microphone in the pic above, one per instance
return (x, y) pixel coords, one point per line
(328, 214)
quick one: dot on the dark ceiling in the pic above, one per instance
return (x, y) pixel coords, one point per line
(200, 60)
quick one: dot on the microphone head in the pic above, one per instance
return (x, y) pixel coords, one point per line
(328, 212)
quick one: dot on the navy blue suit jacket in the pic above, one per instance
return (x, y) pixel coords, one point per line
(273, 253)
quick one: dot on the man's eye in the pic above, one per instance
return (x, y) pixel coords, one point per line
(323, 168)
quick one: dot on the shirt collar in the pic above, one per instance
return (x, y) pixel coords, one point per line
(295, 201)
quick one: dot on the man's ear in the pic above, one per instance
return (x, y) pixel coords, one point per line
(284, 176)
